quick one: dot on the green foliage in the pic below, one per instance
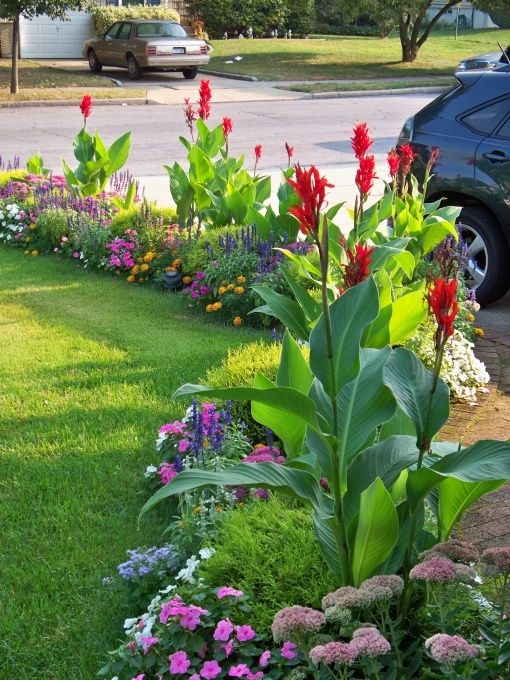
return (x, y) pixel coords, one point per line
(300, 18)
(229, 15)
(268, 550)
(142, 218)
(9, 9)
(52, 225)
(35, 166)
(104, 17)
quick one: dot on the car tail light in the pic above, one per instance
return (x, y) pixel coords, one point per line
(151, 50)
(203, 49)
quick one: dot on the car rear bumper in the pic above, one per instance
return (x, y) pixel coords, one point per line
(174, 61)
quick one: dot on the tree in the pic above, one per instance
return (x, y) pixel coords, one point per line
(13, 10)
(411, 18)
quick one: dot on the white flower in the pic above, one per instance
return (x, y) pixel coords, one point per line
(160, 441)
(186, 574)
(150, 470)
(206, 553)
(154, 603)
(168, 589)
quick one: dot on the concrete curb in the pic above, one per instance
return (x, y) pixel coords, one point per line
(374, 93)
(231, 76)
(76, 102)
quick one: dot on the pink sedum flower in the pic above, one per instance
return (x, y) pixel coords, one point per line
(497, 557)
(227, 591)
(179, 663)
(223, 630)
(450, 649)
(210, 670)
(334, 653)
(296, 619)
(370, 642)
(437, 569)
(245, 633)
(289, 650)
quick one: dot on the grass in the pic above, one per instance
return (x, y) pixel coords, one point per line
(348, 57)
(87, 367)
(46, 83)
(366, 85)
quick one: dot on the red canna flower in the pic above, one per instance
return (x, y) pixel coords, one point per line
(393, 163)
(361, 140)
(407, 157)
(442, 299)
(358, 267)
(258, 152)
(228, 126)
(204, 101)
(365, 175)
(86, 107)
(190, 114)
(434, 155)
(290, 151)
(311, 190)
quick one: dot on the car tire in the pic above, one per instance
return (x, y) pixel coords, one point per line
(190, 73)
(487, 270)
(134, 70)
(94, 64)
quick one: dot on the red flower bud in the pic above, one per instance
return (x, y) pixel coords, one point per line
(205, 96)
(228, 126)
(361, 140)
(86, 106)
(407, 157)
(290, 150)
(365, 175)
(311, 190)
(393, 163)
(258, 152)
(358, 267)
(442, 299)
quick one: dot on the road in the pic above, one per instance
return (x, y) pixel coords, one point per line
(319, 130)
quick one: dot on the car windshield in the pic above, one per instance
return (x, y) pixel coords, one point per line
(160, 29)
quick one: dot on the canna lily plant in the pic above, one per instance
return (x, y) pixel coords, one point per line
(359, 418)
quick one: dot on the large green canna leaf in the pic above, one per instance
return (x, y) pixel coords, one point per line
(364, 403)
(298, 483)
(118, 152)
(456, 496)
(376, 531)
(385, 460)
(285, 400)
(350, 314)
(487, 460)
(411, 383)
(328, 545)
(293, 370)
(435, 230)
(310, 307)
(285, 309)
(397, 321)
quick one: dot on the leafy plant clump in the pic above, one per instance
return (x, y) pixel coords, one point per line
(104, 17)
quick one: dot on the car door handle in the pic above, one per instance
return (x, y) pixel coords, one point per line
(497, 156)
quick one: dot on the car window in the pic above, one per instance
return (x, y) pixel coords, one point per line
(125, 32)
(504, 130)
(486, 118)
(112, 31)
(161, 29)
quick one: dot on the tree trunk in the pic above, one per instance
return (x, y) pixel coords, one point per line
(15, 53)
(409, 51)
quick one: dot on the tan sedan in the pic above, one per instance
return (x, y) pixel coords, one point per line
(147, 45)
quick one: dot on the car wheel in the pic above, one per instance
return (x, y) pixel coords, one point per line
(134, 70)
(486, 271)
(94, 64)
(190, 73)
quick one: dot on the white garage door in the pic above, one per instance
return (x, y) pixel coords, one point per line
(45, 38)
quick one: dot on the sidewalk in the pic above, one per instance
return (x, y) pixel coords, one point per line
(487, 524)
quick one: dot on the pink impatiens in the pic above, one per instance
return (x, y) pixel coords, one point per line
(224, 630)
(227, 591)
(179, 663)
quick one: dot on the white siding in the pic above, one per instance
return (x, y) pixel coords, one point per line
(45, 38)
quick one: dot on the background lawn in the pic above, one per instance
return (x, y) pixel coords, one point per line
(344, 57)
(87, 368)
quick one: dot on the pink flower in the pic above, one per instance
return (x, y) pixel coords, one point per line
(166, 473)
(497, 557)
(148, 642)
(450, 648)
(199, 276)
(194, 294)
(255, 676)
(190, 620)
(195, 676)
(183, 446)
(296, 619)
(174, 607)
(245, 633)
(438, 569)
(238, 671)
(139, 677)
(334, 653)
(288, 650)
(76, 254)
(229, 648)
(210, 670)
(369, 641)
(179, 663)
(177, 427)
(264, 658)
(223, 630)
(227, 591)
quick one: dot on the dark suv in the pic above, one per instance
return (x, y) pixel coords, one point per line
(471, 126)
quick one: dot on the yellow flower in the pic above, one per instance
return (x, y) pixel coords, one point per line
(33, 226)
(144, 267)
(209, 308)
(197, 510)
(26, 252)
(259, 446)
(187, 280)
(217, 305)
(222, 290)
(170, 269)
(135, 269)
(238, 290)
(130, 279)
(479, 332)
(219, 508)
(237, 321)
(176, 263)
(470, 317)
(241, 279)
(149, 256)
(230, 286)
(35, 253)
(28, 239)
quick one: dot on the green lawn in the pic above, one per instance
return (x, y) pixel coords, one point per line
(368, 85)
(345, 57)
(87, 368)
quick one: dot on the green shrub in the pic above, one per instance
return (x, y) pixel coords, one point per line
(228, 15)
(104, 17)
(269, 551)
(501, 17)
(197, 253)
(301, 17)
(52, 225)
(140, 216)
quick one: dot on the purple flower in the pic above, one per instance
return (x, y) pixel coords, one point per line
(334, 653)
(223, 630)
(296, 619)
(437, 569)
(199, 276)
(238, 671)
(288, 650)
(245, 633)
(210, 670)
(369, 641)
(264, 658)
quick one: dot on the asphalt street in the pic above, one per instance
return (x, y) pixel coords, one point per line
(319, 130)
